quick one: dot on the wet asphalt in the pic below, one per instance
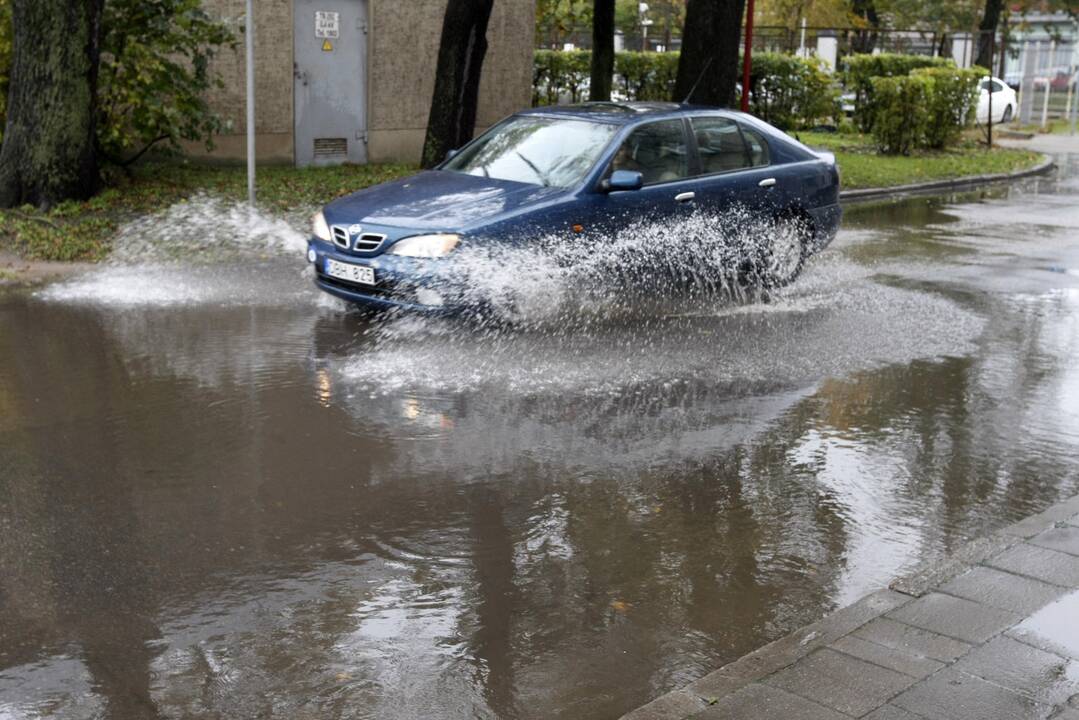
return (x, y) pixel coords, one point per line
(222, 495)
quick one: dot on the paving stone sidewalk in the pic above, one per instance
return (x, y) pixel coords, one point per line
(991, 633)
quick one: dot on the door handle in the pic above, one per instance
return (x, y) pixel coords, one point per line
(767, 182)
(684, 197)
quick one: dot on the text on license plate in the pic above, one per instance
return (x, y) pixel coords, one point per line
(352, 273)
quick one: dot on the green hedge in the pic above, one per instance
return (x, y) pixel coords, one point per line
(926, 109)
(788, 91)
(859, 72)
(639, 76)
(646, 75)
(953, 98)
(792, 92)
(555, 72)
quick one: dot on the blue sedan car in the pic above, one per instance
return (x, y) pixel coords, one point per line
(574, 172)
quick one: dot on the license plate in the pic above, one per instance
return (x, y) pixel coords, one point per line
(352, 273)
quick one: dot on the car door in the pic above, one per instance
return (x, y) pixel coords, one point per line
(735, 167)
(659, 150)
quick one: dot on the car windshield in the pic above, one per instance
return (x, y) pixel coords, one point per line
(536, 150)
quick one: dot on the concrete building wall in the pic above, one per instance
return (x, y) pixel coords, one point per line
(402, 49)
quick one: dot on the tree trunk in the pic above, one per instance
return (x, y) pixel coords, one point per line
(457, 78)
(986, 30)
(602, 50)
(49, 151)
(865, 40)
(713, 33)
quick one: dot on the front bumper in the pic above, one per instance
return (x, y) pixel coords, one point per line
(407, 284)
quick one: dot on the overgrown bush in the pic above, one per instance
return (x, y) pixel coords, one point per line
(558, 72)
(950, 106)
(154, 74)
(926, 109)
(638, 75)
(646, 75)
(792, 92)
(898, 116)
(860, 70)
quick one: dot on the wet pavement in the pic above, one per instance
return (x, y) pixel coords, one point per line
(991, 638)
(222, 495)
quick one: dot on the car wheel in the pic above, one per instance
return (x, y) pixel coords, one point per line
(1007, 117)
(786, 252)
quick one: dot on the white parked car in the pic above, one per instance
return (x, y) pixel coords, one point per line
(1005, 102)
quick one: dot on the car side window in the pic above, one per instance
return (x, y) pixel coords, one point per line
(719, 145)
(758, 148)
(657, 151)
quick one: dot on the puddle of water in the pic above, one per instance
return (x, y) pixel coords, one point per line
(225, 495)
(1055, 628)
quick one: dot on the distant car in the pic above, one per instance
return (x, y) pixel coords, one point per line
(573, 172)
(1005, 101)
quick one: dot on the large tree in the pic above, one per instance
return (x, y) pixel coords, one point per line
(602, 50)
(48, 153)
(457, 78)
(710, 42)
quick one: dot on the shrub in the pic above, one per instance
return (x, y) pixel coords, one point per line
(898, 112)
(645, 75)
(953, 96)
(791, 92)
(560, 71)
(860, 70)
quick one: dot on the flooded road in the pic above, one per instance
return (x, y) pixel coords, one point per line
(222, 495)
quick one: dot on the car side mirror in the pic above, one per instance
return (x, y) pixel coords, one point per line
(451, 155)
(622, 180)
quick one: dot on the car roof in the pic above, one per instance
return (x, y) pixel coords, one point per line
(621, 113)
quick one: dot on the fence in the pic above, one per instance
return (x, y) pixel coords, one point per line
(1039, 59)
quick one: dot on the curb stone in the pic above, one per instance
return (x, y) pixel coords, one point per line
(849, 196)
(698, 696)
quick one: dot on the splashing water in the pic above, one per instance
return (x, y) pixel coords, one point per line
(206, 230)
(646, 267)
(202, 251)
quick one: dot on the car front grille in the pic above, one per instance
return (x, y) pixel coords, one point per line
(369, 242)
(340, 237)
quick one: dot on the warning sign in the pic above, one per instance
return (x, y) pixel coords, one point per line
(327, 25)
(327, 46)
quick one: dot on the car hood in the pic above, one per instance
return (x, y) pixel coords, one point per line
(438, 200)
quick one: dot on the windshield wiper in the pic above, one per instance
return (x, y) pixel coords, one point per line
(539, 173)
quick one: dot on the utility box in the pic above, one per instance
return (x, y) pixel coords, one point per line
(330, 81)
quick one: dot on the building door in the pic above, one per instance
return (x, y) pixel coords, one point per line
(330, 85)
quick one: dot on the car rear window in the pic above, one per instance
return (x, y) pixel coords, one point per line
(723, 145)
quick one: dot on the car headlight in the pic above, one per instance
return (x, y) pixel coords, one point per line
(426, 246)
(319, 227)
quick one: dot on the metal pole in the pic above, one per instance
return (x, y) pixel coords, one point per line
(1048, 86)
(747, 59)
(992, 43)
(1075, 110)
(249, 33)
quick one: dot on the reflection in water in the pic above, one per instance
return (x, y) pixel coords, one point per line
(226, 510)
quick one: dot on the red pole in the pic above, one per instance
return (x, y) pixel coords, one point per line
(747, 58)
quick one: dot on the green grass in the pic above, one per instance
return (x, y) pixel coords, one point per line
(84, 230)
(861, 166)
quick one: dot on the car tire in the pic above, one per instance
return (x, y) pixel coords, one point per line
(785, 254)
(1007, 116)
